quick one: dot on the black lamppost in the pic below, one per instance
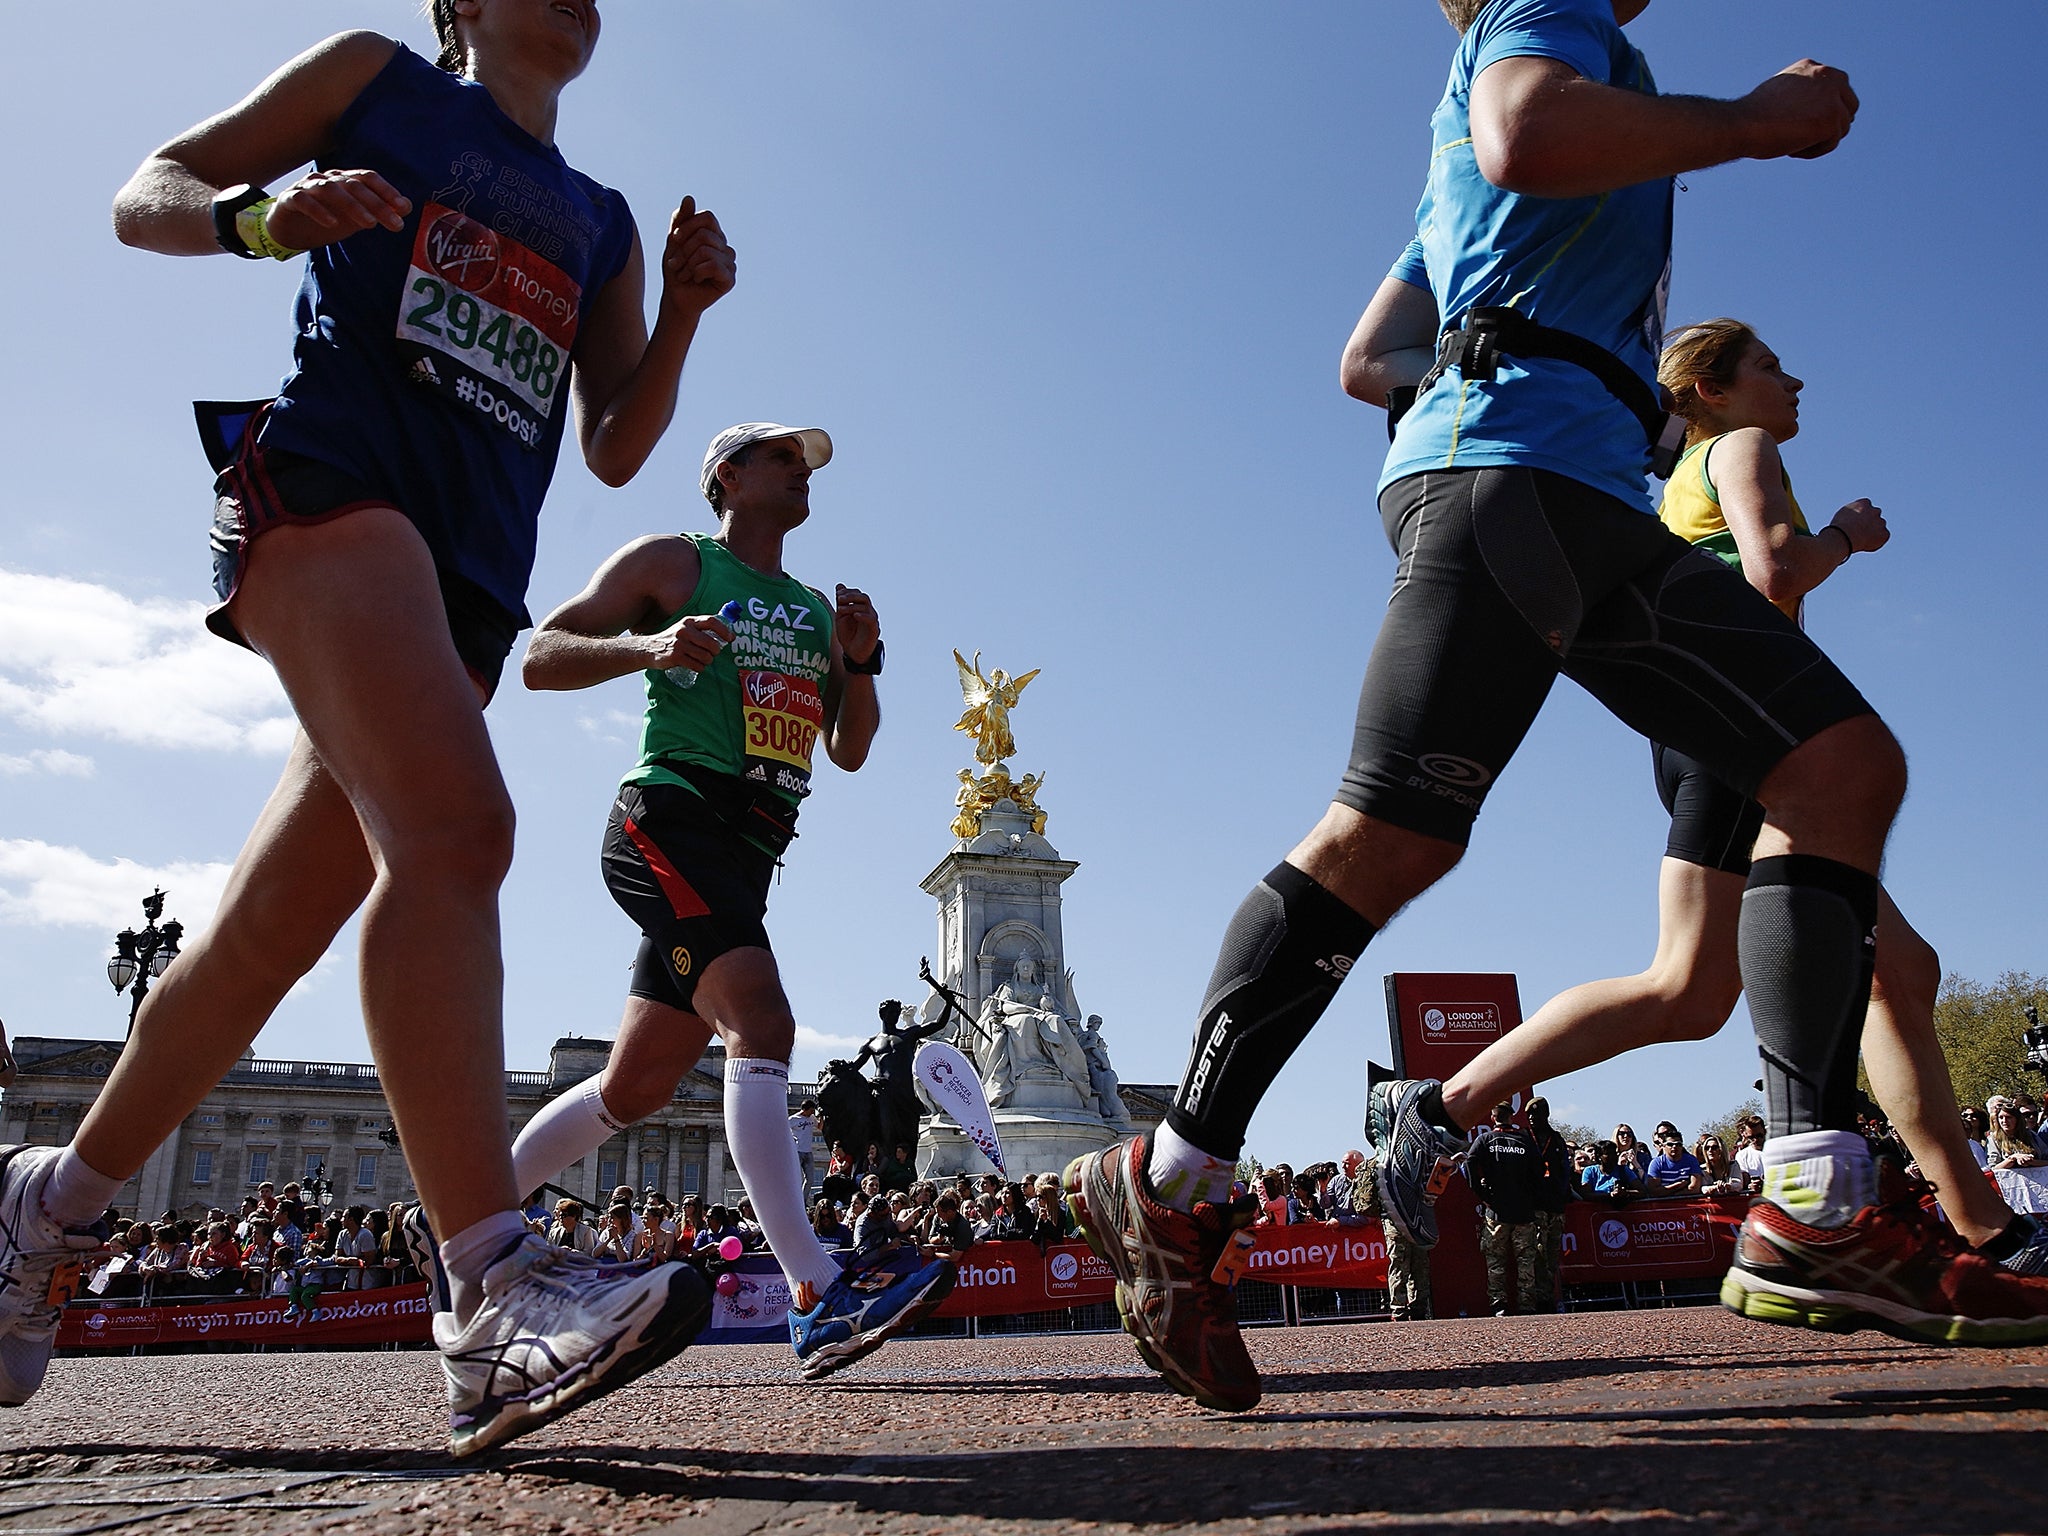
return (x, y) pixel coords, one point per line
(140, 958)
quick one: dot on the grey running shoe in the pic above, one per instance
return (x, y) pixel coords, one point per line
(553, 1334)
(1416, 1158)
(31, 1247)
(2033, 1258)
(425, 1254)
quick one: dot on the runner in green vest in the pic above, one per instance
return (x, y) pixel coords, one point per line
(736, 707)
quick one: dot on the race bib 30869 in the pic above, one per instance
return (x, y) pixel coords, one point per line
(487, 322)
(783, 715)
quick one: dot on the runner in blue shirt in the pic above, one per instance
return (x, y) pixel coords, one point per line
(1527, 318)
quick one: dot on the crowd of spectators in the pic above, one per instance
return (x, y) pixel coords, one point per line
(281, 1243)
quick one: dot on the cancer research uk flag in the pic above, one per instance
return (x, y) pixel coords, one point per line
(950, 1079)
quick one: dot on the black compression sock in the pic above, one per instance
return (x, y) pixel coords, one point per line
(1286, 951)
(1431, 1104)
(2009, 1242)
(1808, 941)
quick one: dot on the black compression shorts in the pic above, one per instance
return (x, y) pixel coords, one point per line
(696, 888)
(1508, 577)
(1711, 825)
(266, 488)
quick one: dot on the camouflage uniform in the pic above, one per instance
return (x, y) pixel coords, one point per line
(1407, 1265)
(1519, 1243)
(1504, 1169)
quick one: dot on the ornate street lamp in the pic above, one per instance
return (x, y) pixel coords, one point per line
(139, 958)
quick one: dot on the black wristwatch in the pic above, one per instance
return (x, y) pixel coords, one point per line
(225, 207)
(872, 667)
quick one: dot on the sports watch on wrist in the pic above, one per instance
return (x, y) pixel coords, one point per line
(225, 207)
(872, 667)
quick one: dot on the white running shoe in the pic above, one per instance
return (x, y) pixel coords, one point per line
(31, 1247)
(554, 1332)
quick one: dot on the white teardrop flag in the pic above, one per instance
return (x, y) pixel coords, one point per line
(949, 1078)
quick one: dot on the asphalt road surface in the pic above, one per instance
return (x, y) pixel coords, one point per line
(1647, 1422)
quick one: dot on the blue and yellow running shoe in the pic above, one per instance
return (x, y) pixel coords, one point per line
(877, 1296)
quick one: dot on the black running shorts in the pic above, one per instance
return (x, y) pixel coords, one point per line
(1711, 825)
(696, 888)
(1508, 577)
(266, 488)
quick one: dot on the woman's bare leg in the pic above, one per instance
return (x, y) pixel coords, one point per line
(1687, 993)
(350, 615)
(1909, 1077)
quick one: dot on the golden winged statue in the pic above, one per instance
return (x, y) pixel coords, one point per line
(989, 701)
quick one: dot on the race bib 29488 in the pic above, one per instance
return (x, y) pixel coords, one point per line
(487, 322)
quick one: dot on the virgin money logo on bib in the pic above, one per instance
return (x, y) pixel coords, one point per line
(766, 689)
(461, 250)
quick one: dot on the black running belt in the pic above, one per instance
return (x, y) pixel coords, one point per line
(1493, 331)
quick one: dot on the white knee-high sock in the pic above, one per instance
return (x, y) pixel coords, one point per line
(757, 1130)
(568, 1129)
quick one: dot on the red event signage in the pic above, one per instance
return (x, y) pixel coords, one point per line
(1650, 1240)
(396, 1313)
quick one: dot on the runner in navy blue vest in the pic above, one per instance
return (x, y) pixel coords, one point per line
(466, 293)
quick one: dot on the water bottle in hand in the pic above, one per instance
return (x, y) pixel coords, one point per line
(683, 677)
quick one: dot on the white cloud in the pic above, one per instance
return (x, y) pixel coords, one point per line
(48, 886)
(611, 725)
(82, 660)
(50, 761)
(808, 1039)
(55, 887)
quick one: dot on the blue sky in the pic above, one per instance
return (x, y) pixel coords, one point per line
(1067, 284)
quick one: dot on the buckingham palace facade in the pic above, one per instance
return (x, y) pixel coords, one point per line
(293, 1120)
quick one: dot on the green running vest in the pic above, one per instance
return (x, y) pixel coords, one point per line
(756, 711)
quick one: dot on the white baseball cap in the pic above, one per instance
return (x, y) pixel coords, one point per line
(817, 446)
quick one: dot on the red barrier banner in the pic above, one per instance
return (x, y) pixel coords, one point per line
(1314, 1254)
(1650, 1240)
(396, 1313)
(1005, 1279)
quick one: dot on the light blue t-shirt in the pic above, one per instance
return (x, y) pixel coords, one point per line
(1598, 267)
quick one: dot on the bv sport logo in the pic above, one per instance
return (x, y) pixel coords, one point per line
(679, 957)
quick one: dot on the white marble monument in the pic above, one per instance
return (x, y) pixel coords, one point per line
(1050, 1086)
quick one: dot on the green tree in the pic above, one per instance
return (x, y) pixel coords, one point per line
(1575, 1135)
(1723, 1125)
(1979, 1029)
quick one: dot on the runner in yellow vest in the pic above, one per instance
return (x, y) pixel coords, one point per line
(1730, 495)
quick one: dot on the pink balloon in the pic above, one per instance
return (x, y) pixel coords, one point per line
(728, 1283)
(730, 1248)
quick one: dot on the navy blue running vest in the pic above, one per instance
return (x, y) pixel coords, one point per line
(432, 363)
